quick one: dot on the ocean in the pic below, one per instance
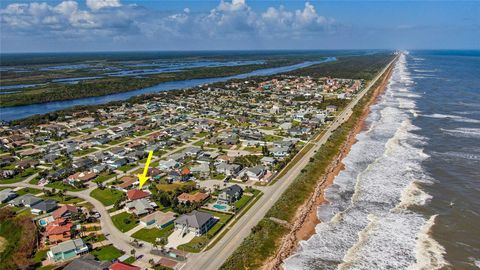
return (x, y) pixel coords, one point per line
(409, 196)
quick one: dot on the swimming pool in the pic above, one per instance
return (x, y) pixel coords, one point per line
(219, 206)
(42, 222)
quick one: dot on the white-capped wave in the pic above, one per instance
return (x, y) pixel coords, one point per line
(366, 223)
(463, 132)
(453, 117)
(429, 253)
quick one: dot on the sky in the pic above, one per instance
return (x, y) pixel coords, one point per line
(128, 25)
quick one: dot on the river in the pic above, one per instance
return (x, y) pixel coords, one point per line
(19, 112)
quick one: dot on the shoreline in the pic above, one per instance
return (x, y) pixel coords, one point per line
(306, 218)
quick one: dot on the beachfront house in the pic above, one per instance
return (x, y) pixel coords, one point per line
(195, 222)
(230, 194)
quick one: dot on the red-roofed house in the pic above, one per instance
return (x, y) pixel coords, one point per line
(64, 211)
(136, 194)
(59, 231)
(123, 266)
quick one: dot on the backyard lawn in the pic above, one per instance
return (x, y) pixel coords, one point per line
(150, 235)
(124, 221)
(106, 196)
(173, 186)
(106, 253)
(242, 202)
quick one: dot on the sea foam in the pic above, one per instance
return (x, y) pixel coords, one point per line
(367, 223)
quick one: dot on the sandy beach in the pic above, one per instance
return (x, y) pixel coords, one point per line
(306, 217)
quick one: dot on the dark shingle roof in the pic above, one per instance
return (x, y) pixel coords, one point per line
(194, 219)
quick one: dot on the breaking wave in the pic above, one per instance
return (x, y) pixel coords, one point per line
(452, 117)
(463, 132)
(367, 223)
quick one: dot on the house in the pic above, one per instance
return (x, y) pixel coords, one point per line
(44, 207)
(128, 182)
(116, 163)
(158, 219)
(123, 266)
(284, 144)
(99, 168)
(195, 222)
(165, 165)
(228, 169)
(192, 151)
(230, 194)
(87, 262)
(185, 174)
(67, 250)
(198, 197)
(331, 108)
(268, 161)
(136, 194)
(255, 173)
(80, 177)
(280, 151)
(6, 195)
(27, 200)
(65, 211)
(202, 169)
(59, 230)
(139, 206)
(83, 163)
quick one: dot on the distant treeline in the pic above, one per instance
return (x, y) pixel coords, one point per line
(18, 59)
(351, 67)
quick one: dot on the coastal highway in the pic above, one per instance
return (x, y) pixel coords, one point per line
(216, 256)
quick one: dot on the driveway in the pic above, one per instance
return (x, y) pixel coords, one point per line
(175, 239)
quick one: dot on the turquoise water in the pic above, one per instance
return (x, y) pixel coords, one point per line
(219, 206)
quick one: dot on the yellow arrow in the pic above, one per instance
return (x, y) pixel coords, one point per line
(142, 178)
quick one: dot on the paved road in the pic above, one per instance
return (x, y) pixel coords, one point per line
(216, 256)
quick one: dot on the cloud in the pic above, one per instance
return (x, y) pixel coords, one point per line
(98, 4)
(110, 18)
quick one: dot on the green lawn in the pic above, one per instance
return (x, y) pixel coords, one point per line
(272, 138)
(219, 176)
(173, 186)
(106, 253)
(10, 237)
(104, 177)
(124, 221)
(114, 142)
(27, 190)
(106, 196)
(64, 199)
(196, 245)
(199, 143)
(130, 260)
(150, 235)
(59, 185)
(85, 151)
(21, 176)
(127, 167)
(242, 202)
